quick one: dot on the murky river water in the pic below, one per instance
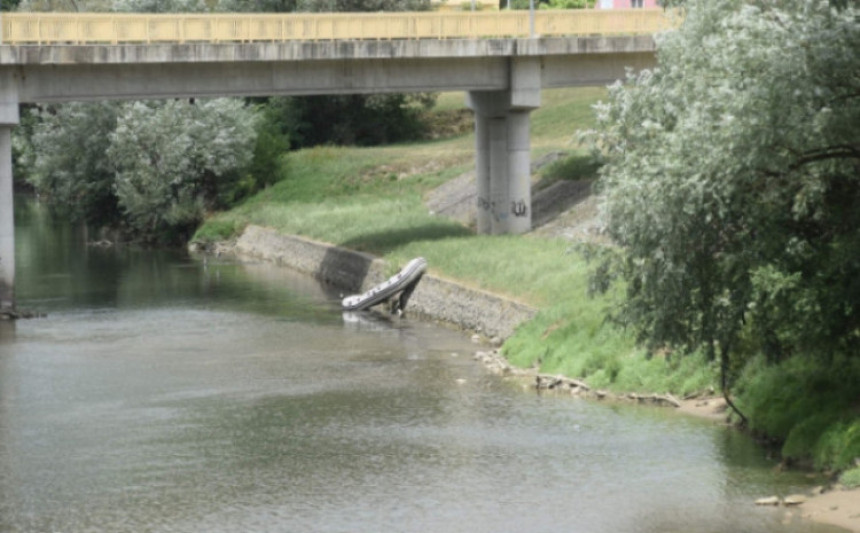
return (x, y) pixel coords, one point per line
(163, 393)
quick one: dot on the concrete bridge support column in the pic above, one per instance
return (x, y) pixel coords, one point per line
(503, 151)
(502, 169)
(8, 119)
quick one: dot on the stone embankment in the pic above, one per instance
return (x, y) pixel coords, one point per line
(492, 316)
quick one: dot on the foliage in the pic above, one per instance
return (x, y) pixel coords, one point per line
(22, 148)
(160, 6)
(731, 181)
(363, 5)
(573, 167)
(174, 161)
(524, 4)
(851, 478)
(568, 4)
(258, 6)
(273, 141)
(217, 230)
(807, 404)
(356, 119)
(154, 167)
(65, 158)
(553, 4)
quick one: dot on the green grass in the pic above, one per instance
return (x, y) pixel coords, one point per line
(578, 166)
(851, 478)
(573, 337)
(562, 113)
(808, 404)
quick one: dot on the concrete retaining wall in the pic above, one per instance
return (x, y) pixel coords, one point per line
(436, 298)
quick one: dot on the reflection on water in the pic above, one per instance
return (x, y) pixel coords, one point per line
(163, 393)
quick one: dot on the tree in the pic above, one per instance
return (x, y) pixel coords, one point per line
(65, 158)
(160, 6)
(105, 163)
(355, 119)
(175, 160)
(732, 181)
(362, 5)
(257, 6)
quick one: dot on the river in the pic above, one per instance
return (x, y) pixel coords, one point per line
(169, 393)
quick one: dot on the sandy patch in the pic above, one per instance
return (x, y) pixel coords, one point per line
(711, 408)
(837, 507)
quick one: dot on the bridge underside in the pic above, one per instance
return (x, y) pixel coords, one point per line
(63, 83)
(503, 78)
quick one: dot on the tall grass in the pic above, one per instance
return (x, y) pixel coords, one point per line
(808, 404)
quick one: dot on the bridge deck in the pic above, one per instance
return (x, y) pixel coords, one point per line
(116, 28)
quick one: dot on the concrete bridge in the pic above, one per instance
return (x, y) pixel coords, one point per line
(490, 56)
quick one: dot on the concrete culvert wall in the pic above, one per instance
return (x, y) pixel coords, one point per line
(351, 271)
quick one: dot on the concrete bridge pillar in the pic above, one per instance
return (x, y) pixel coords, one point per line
(503, 150)
(8, 119)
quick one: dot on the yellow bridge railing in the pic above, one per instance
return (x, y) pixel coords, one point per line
(113, 28)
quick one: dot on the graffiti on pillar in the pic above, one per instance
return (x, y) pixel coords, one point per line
(484, 204)
(519, 208)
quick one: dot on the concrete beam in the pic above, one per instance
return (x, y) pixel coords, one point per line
(48, 83)
(526, 82)
(291, 51)
(55, 73)
(592, 70)
(523, 76)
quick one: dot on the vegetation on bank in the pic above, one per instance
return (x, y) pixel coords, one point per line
(732, 188)
(761, 308)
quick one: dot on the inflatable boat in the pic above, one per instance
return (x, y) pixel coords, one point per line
(404, 283)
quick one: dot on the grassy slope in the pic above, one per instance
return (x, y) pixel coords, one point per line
(371, 199)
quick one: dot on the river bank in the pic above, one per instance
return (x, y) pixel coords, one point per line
(493, 318)
(387, 201)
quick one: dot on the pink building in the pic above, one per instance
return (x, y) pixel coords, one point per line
(625, 4)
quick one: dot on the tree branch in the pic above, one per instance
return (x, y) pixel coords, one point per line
(724, 365)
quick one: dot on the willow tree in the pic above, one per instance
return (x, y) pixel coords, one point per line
(64, 158)
(174, 161)
(732, 181)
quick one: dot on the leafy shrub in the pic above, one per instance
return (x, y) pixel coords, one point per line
(808, 403)
(851, 478)
(217, 230)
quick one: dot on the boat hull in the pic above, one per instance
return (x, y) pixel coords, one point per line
(404, 283)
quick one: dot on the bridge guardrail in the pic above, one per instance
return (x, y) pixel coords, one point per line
(115, 28)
